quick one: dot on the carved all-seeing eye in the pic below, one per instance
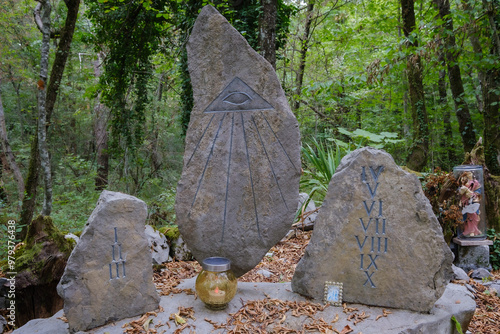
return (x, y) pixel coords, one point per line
(237, 98)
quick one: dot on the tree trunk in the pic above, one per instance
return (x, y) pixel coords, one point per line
(457, 88)
(61, 56)
(42, 112)
(447, 139)
(11, 160)
(18, 101)
(267, 31)
(3, 192)
(29, 200)
(101, 135)
(62, 53)
(417, 158)
(304, 45)
(491, 94)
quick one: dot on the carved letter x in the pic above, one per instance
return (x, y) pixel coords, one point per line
(369, 279)
(372, 263)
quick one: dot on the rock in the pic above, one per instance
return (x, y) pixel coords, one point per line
(459, 274)
(239, 187)
(4, 288)
(495, 289)
(480, 273)
(39, 265)
(473, 257)
(71, 236)
(309, 212)
(109, 273)
(3, 322)
(160, 250)
(180, 250)
(52, 325)
(376, 233)
(289, 235)
(265, 273)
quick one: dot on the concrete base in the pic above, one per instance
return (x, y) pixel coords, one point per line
(473, 257)
(456, 301)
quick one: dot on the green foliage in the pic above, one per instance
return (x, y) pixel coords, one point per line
(27, 256)
(321, 161)
(135, 32)
(367, 138)
(162, 209)
(495, 248)
(243, 16)
(354, 91)
(458, 327)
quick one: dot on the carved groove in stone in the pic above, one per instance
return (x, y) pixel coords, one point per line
(237, 97)
(241, 130)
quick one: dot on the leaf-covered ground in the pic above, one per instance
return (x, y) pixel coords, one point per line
(257, 316)
(280, 262)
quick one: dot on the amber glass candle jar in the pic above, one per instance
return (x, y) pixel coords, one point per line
(216, 284)
(471, 201)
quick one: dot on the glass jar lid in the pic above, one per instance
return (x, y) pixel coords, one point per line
(467, 167)
(217, 264)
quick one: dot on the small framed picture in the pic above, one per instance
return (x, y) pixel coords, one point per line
(333, 293)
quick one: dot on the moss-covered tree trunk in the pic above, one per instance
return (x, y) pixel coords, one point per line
(43, 147)
(417, 158)
(29, 200)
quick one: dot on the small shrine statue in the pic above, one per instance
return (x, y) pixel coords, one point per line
(470, 198)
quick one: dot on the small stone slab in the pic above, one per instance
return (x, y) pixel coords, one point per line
(376, 233)
(109, 275)
(240, 183)
(472, 242)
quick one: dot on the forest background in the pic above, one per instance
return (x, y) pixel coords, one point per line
(95, 94)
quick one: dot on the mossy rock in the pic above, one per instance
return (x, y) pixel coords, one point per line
(406, 169)
(170, 232)
(43, 244)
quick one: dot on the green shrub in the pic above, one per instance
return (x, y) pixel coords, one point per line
(495, 248)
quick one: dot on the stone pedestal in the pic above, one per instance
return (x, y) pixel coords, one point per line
(472, 254)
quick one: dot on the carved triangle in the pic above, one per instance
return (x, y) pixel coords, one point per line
(236, 97)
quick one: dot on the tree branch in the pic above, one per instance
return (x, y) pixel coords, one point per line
(38, 21)
(319, 113)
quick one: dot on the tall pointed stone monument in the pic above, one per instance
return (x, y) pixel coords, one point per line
(240, 182)
(377, 235)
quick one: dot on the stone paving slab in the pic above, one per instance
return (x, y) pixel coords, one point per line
(456, 301)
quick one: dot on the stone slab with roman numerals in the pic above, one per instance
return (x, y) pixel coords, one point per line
(376, 233)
